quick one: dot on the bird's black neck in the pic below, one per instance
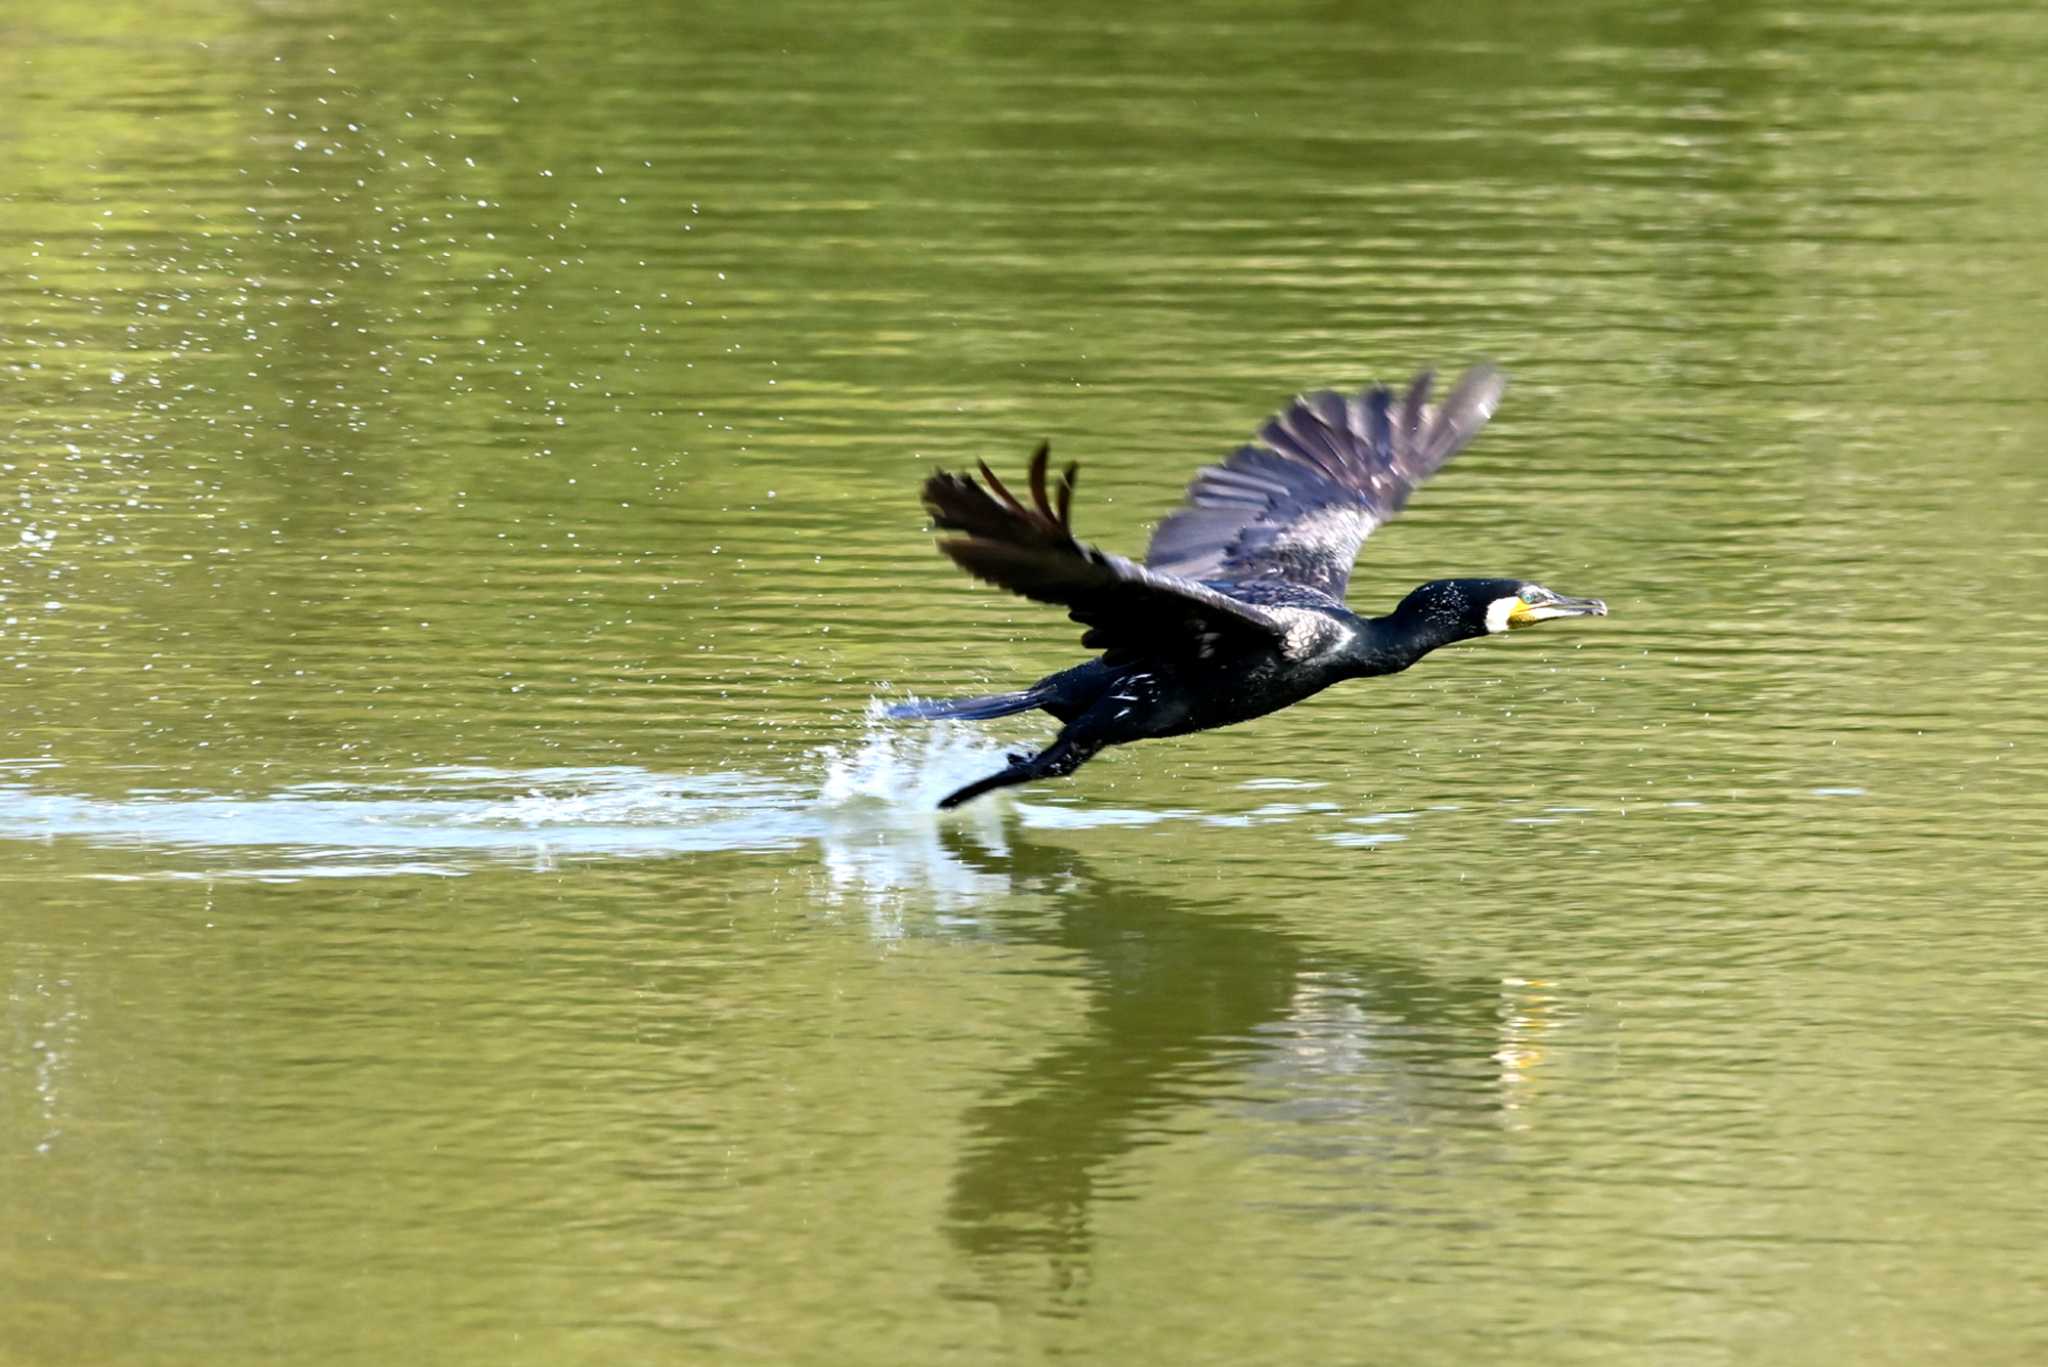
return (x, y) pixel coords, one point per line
(1391, 643)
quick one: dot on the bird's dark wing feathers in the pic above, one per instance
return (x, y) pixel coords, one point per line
(1031, 550)
(1296, 505)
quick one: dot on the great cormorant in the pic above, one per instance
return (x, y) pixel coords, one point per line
(1238, 609)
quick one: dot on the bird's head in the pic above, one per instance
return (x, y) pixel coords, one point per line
(1460, 609)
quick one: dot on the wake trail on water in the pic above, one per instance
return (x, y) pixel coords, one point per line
(452, 819)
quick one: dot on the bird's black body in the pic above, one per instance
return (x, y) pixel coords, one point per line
(1238, 610)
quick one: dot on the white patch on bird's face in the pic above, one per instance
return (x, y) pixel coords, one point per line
(1499, 611)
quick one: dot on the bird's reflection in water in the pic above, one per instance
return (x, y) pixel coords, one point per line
(1189, 1007)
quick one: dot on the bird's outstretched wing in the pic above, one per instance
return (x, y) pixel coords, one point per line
(1031, 550)
(1297, 504)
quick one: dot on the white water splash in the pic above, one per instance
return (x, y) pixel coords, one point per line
(908, 767)
(884, 841)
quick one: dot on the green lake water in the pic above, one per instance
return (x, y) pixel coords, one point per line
(458, 902)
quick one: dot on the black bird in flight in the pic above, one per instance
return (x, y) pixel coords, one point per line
(1239, 608)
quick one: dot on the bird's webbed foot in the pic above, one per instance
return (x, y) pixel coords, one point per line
(1057, 760)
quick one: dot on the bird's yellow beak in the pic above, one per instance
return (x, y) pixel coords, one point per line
(1531, 608)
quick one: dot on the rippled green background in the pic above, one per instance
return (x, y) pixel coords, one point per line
(457, 476)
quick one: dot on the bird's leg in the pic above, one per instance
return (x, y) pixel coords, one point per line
(1066, 754)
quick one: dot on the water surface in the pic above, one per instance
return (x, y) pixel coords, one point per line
(457, 490)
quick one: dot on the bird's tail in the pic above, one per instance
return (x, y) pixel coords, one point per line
(970, 709)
